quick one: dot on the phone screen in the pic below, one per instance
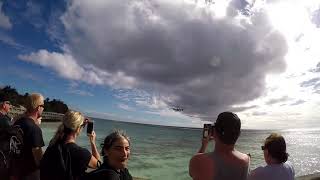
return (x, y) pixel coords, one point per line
(89, 127)
(206, 130)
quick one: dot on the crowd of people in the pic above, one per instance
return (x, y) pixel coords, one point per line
(65, 160)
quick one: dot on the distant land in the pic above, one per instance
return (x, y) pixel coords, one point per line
(17, 100)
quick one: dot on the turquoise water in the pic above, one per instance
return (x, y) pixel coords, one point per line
(164, 152)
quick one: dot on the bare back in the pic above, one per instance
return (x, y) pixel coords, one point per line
(216, 166)
(226, 166)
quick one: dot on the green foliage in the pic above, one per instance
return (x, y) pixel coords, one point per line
(15, 98)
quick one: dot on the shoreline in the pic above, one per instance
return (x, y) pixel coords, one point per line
(314, 176)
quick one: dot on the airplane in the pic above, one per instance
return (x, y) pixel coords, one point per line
(178, 109)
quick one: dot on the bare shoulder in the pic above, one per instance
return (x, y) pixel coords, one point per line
(244, 159)
(201, 166)
(200, 158)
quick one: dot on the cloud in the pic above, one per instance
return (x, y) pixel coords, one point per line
(316, 17)
(66, 66)
(311, 82)
(317, 69)
(191, 57)
(242, 6)
(80, 92)
(278, 100)
(4, 38)
(125, 107)
(243, 108)
(298, 102)
(258, 113)
(4, 20)
(74, 88)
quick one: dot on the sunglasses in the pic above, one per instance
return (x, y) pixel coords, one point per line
(83, 125)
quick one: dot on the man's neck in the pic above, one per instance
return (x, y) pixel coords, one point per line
(272, 161)
(223, 148)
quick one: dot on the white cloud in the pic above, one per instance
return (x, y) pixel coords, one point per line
(66, 66)
(125, 107)
(80, 92)
(4, 20)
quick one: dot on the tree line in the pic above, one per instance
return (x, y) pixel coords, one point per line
(16, 99)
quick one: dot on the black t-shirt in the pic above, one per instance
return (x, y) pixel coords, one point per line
(106, 172)
(4, 121)
(32, 138)
(80, 158)
(60, 161)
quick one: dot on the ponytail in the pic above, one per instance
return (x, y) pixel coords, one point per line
(70, 122)
(59, 136)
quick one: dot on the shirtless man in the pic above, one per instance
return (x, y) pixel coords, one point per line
(225, 162)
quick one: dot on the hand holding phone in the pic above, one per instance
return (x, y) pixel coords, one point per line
(206, 130)
(89, 127)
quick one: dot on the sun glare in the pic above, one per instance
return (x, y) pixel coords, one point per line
(289, 18)
(293, 20)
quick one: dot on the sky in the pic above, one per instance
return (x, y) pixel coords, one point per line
(135, 60)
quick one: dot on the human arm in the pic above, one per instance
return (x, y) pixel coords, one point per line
(204, 144)
(94, 151)
(37, 155)
(37, 144)
(95, 158)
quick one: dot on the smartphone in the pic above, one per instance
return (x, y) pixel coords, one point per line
(89, 127)
(206, 130)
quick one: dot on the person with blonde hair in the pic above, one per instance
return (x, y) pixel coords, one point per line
(33, 142)
(276, 156)
(64, 159)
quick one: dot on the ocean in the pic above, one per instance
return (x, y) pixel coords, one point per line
(159, 152)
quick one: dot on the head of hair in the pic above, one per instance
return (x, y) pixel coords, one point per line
(34, 100)
(276, 147)
(112, 138)
(3, 100)
(71, 121)
(227, 127)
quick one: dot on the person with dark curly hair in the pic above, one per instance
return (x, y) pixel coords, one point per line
(276, 156)
(116, 153)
